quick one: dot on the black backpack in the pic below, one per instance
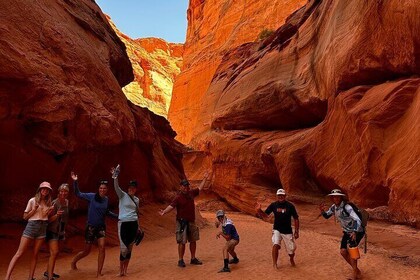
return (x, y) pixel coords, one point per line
(361, 213)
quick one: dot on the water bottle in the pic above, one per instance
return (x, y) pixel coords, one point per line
(116, 172)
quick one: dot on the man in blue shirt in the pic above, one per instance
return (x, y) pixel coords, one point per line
(232, 239)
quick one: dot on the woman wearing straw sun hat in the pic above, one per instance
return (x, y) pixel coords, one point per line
(350, 222)
(36, 212)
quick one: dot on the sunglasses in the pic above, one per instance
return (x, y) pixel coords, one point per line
(104, 182)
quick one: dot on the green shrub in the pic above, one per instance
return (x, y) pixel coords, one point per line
(264, 34)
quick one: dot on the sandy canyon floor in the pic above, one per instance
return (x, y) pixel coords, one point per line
(393, 252)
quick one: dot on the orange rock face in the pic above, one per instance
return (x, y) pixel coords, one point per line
(215, 28)
(331, 99)
(62, 107)
(155, 63)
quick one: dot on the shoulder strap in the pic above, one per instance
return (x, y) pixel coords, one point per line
(137, 208)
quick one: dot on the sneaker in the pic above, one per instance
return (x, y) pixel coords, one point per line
(196, 261)
(181, 263)
(224, 269)
(54, 275)
(234, 261)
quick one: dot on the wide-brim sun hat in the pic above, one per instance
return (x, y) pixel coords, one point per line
(281, 192)
(336, 192)
(45, 185)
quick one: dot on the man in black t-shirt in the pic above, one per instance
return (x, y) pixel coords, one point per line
(283, 212)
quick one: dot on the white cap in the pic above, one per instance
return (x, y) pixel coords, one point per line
(281, 192)
(220, 213)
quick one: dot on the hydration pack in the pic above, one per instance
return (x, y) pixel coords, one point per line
(361, 213)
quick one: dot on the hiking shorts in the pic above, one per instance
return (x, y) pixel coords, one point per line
(288, 239)
(186, 231)
(35, 229)
(54, 236)
(92, 233)
(346, 239)
(231, 244)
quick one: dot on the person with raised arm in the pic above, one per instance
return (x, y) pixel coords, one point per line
(186, 229)
(128, 219)
(95, 226)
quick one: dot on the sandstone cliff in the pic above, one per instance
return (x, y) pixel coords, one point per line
(215, 28)
(62, 107)
(331, 99)
(155, 63)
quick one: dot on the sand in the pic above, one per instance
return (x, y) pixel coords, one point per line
(317, 255)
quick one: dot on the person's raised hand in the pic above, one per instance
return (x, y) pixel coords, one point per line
(73, 176)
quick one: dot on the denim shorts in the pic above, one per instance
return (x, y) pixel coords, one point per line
(35, 229)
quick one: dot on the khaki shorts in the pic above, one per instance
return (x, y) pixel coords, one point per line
(231, 244)
(289, 241)
(190, 233)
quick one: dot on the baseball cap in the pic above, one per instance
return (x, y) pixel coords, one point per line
(184, 182)
(45, 185)
(281, 192)
(220, 213)
(133, 183)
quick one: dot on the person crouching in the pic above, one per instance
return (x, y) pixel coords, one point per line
(229, 233)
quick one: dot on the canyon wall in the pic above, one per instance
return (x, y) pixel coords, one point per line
(155, 63)
(63, 109)
(331, 99)
(214, 28)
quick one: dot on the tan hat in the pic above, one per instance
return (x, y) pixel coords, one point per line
(281, 192)
(336, 192)
(45, 185)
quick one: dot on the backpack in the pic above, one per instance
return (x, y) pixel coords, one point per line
(361, 213)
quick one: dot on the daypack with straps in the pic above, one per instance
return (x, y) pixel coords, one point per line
(361, 213)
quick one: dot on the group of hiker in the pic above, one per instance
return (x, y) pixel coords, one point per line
(47, 219)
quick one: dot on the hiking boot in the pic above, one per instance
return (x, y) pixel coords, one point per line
(234, 261)
(196, 261)
(181, 263)
(54, 275)
(225, 269)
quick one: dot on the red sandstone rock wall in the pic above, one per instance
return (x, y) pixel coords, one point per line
(331, 99)
(62, 107)
(214, 28)
(155, 63)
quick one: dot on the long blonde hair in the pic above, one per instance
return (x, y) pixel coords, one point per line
(47, 200)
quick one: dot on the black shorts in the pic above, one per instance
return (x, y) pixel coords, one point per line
(346, 239)
(92, 233)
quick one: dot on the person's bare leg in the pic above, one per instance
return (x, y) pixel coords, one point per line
(23, 245)
(233, 253)
(181, 250)
(34, 260)
(356, 271)
(345, 255)
(101, 256)
(292, 259)
(81, 255)
(121, 269)
(275, 255)
(126, 267)
(53, 245)
(193, 248)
